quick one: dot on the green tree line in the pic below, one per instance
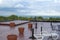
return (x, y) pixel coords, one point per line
(15, 17)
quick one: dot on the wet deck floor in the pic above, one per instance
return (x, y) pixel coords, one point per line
(6, 30)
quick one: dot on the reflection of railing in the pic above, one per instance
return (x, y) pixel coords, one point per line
(51, 23)
(47, 36)
(57, 28)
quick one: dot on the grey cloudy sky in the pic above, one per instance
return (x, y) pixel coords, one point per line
(30, 7)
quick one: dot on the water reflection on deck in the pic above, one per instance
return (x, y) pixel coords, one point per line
(6, 30)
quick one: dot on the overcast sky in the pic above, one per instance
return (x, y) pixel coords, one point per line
(30, 7)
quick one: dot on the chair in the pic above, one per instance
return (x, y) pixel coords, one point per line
(12, 37)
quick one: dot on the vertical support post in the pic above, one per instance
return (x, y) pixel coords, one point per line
(36, 25)
(41, 29)
(32, 37)
(51, 25)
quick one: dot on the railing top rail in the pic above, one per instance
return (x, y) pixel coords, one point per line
(44, 21)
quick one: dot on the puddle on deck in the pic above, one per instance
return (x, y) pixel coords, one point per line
(6, 30)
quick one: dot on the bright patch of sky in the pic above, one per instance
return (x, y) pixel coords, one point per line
(30, 7)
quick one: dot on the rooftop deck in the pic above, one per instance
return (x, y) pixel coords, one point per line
(6, 30)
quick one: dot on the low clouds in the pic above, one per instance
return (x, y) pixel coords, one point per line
(0, 1)
(30, 7)
(44, 13)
